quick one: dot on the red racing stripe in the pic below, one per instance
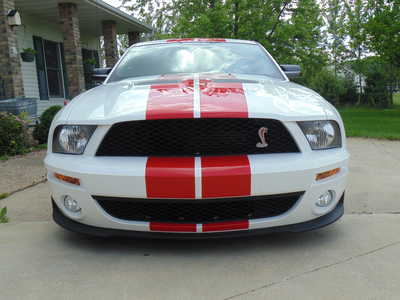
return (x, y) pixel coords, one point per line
(225, 176)
(196, 40)
(223, 226)
(180, 40)
(172, 227)
(222, 100)
(170, 177)
(171, 101)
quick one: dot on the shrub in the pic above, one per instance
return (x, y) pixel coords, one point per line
(13, 135)
(336, 89)
(377, 90)
(350, 94)
(380, 80)
(4, 195)
(29, 50)
(3, 215)
(42, 129)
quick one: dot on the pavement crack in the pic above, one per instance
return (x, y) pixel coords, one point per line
(25, 188)
(374, 213)
(285, 279)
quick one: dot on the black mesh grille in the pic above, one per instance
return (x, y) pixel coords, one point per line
(197, 210)
(190, 137)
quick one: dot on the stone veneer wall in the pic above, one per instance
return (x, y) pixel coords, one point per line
(72, 48)
(110, 42)
(10, 63)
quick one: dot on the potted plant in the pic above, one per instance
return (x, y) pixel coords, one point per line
(89, 65)
(28, 55)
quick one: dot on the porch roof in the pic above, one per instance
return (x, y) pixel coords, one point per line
(91, 13)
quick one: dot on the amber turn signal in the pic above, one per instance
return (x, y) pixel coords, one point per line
(71, 180)
(327, 174)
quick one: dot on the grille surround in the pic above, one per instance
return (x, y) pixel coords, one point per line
(198, 210)
(194, 137)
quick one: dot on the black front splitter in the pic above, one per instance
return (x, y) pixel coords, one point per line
(77, 227)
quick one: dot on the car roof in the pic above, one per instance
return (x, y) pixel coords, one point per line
(195, 40)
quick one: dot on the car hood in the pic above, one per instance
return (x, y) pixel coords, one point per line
(217, 95)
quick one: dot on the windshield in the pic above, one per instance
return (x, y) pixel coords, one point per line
(173, 58)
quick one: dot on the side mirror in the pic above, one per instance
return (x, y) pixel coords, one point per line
(291, 71)
(100, 74)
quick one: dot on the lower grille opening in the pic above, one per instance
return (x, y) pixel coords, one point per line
(198, 210)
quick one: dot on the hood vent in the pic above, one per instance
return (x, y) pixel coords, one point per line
(156, 82)
(161, 81)
(234, 81)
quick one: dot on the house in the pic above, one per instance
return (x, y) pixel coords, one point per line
(65, 35)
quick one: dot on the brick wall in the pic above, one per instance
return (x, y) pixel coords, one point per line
(10, 63)
(72, 48)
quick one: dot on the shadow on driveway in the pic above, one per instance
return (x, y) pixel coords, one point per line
(228, 246)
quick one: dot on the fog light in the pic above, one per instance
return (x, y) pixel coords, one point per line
(325, 199)
(71, 204)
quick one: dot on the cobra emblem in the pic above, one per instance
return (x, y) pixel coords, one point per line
(262, 133)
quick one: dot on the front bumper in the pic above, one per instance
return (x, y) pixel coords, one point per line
(80, 228)
(270, 174)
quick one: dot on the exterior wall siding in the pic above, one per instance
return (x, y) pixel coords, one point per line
(48, 31)
(25, 40)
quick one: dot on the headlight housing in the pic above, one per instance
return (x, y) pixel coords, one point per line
(72, 139)
(322, 134)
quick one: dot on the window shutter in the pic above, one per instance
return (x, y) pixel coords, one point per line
(41, 68)
(64, 71)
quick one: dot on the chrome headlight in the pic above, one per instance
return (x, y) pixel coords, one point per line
(322, 134)
(72, 139)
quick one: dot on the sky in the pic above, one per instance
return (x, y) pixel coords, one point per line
(115, 3)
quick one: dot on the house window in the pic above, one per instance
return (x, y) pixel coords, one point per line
(49, 69)
(52, 56)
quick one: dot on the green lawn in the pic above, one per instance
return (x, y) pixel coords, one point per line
(372, 122)
(396, 99)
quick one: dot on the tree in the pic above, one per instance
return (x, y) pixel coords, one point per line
(203, 18)
(260, 19)
(383, 31)
(357, 17)
(306, 38)
(374, 69)
(335, 16)
(160, 14)
(292, 30)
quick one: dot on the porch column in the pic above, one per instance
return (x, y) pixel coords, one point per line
(72, 48)
(110, 42)
(133, 37)
(10, 70)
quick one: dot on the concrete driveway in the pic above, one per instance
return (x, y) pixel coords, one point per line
(356, 258)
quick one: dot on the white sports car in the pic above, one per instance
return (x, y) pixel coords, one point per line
(197, 138)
